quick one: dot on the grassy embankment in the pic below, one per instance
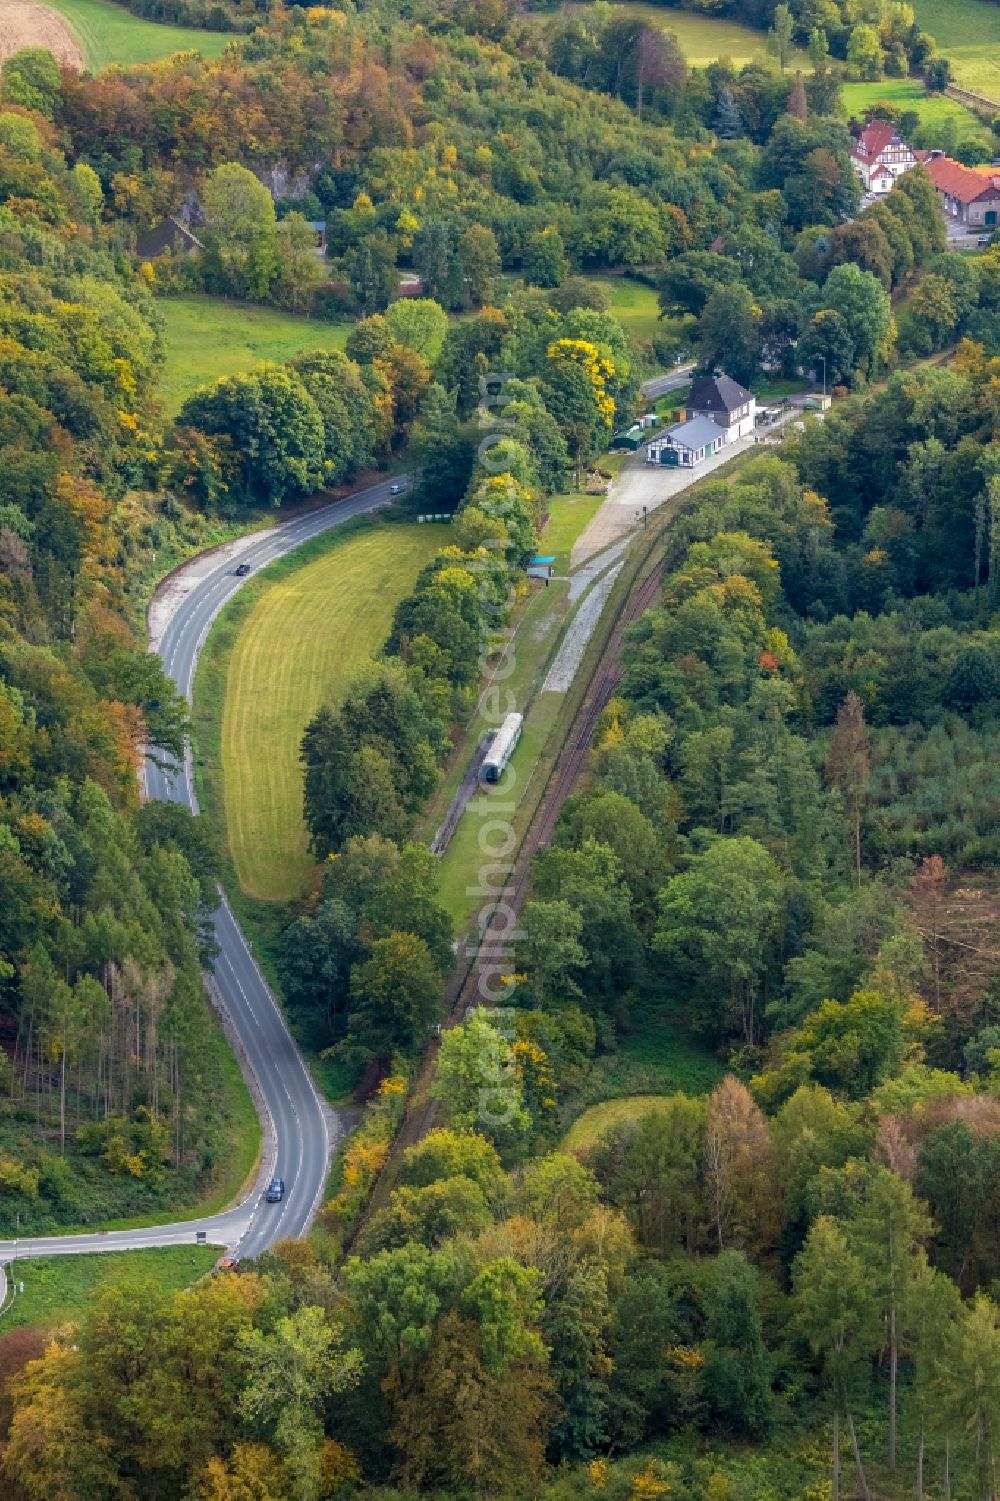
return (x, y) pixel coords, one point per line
(345, 584)
(539, 623)
(111, 34)
(297, 646)
(58, 1288)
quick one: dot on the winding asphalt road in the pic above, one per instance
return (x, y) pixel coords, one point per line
(300, 1131)
(661, 384)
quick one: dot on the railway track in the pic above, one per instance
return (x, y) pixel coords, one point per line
(650, 556)
(976, 101)
(571, 759)
(464, 990)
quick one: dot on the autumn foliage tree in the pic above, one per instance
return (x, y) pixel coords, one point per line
(740, 1169)
(848, 765)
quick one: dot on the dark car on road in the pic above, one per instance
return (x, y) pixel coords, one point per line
(275, 1191)
(241, 570)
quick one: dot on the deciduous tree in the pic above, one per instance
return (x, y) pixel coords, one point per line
(837, 1314)
(394, 997)
(888, 1232)
(288, 1374)
(719, 921)
(779, 38)
(848, 765)
(737, 1377)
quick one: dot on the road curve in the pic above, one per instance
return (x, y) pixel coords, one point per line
(301, 1130)
(661, 384)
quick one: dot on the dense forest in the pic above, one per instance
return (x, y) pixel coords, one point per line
(763, 1267)
(110, 1061)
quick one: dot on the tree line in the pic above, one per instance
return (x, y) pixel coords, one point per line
(109, 1070)
(706, 1270)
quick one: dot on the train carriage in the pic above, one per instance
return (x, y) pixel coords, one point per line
(503, 747)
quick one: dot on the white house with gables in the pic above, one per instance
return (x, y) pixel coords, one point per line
(719, 411)
(726, 402)
(880, 155)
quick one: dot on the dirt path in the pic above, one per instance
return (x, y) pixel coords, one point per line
(23, 23)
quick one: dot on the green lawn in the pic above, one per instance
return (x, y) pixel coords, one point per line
(908, 94)
(589, 1127)
(206, 338)
(967, 31)
(776, 388)
(702, 38)
(295, 649)
(58, 1288)
(111, 34)
(538, 622)
(635, 305)
(569, 515)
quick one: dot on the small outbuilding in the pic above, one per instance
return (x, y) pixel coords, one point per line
(318, 227)
(169, 234)
(632, 439)
(687, 443)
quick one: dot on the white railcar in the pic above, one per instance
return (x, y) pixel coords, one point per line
(503, 747)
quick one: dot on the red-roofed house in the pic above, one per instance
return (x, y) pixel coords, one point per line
(969, 194)
(880, 155)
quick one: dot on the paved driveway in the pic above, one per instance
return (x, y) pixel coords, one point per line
(637, 485)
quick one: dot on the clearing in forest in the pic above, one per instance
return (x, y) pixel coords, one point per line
(296, 650)
(23, 23)
(206, 338)
(105, 33)
(703, 39)
(588, 1128)
(956, 913)
(936, 111)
